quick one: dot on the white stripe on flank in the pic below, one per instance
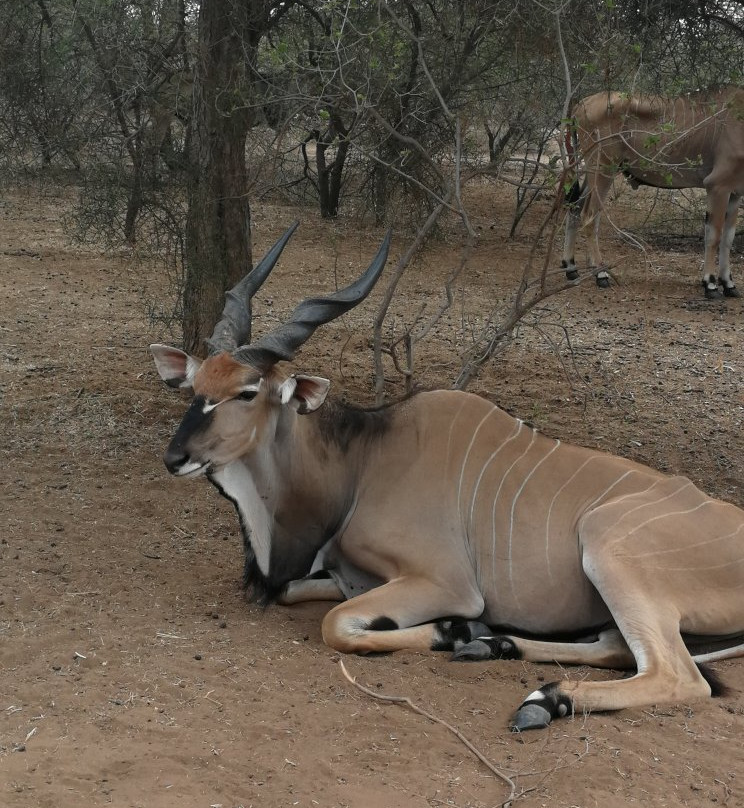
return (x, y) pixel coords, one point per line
(495, 500)
(550, 510)
(696, 567)
(685, 547)
(451, 429)
(619, 480)
(467, 454)
(643, 505)
(487, 463)
(668, 514)
(514, 505)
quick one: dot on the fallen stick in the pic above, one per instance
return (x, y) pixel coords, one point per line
(405, 700)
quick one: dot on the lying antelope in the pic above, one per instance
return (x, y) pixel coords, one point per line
(439, 516)
(688, 142)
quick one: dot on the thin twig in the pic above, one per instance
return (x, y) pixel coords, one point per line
(405, 700)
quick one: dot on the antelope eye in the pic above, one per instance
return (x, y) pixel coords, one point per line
(247, 395)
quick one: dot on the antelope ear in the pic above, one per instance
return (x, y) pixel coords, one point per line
(305, 393)
(176, 368)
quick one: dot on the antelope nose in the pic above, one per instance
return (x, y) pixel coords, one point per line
(175, 458)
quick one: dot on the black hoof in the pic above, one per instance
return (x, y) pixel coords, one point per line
(531, 716)
(540, 708)
(475, 651)
(572, 275)
(456, 632)
(603, 282)
(477, 629)
(731, 291)
(487, 648)
(711, 289)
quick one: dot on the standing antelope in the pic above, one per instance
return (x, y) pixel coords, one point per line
(439, 516)
(692, 141)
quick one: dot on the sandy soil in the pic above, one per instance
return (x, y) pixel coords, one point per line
(133, 672)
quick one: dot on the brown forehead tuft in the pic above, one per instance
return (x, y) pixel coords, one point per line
(221, 377)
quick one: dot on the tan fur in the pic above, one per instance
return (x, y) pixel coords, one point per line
(686, 142)
(221, 377)
(445, 506)
(461, 510)
(519, 529)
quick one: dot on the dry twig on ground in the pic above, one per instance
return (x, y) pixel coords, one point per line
(405, 700)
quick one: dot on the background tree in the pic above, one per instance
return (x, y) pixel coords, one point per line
(218, 224)
(46, 88)
(140, 52)
(380, 109)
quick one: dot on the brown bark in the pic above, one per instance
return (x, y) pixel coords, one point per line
(218, 226)
(331, 174)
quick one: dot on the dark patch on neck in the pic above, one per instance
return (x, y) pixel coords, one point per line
(258, 586)
(342, 424)
(292, 561)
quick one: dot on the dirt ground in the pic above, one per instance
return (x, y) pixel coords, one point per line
(134, 673)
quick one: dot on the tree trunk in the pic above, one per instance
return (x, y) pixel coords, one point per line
(330, 175)
(218, 222)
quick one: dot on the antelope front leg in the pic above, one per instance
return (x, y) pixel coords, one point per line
(318, 586)
(609, 650)
(574, 200)
(398, 615)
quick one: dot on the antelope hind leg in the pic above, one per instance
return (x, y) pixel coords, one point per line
(600, 183)
(669, 674)
(665, 561)
(724, 250)
(666, 670)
